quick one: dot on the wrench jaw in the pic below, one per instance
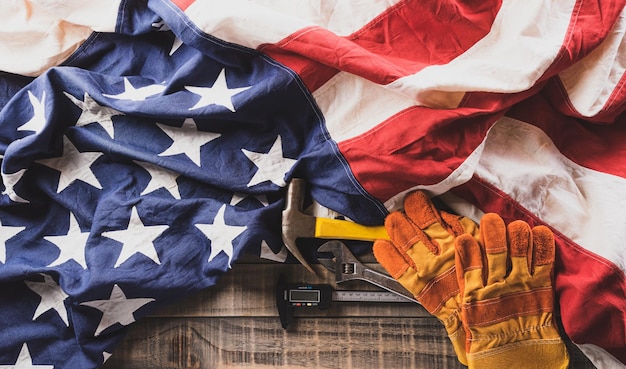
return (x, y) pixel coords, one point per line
(336, 264)
(328, 264)
(344, 264)
(333, 246)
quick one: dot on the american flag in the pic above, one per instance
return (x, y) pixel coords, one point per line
(146, 146)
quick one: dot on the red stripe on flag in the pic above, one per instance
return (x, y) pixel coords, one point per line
(423, 146)
(585, 282)
(403, 40)
(416, 146)
(594, 146)
(183, 4)
(590, 23)
(613, 111)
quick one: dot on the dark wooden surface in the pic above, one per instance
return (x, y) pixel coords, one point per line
(235, 324)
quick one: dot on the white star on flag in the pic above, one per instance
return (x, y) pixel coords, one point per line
(137, 238)
(117, 309)
(176, 44)
(221, 235)
(218, 94)
(10, 180)
(160, 178)
(92, 112)
(71, 245)
(6, 233)
(237, 198)
(38, 121)
(52, 297)
(73, 165)
(137, 94)
(162, 26)
(272, 166)
(187, 139)
(24, 361)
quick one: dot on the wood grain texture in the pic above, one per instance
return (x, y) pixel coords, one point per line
(261, 342)
(235, 325)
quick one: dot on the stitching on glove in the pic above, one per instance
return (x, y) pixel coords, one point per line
(433, 282)
(422, 236)
(478, 312)
(489, 337)
(498, 350)
(516, 314)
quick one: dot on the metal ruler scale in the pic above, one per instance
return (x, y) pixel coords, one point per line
(367, 296)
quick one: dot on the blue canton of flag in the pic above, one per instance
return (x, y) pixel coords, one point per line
(139, 171)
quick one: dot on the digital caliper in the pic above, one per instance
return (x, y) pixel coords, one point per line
(292, 296)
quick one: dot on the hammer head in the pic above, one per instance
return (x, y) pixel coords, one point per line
(295, 223)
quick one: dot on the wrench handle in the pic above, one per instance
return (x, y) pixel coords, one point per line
(386, 282)
(345, 230)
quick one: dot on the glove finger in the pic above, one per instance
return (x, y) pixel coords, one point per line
(404, 234)
(469, 264)
(520, 248)
(421, 210)
(391, 259)
(543, 251)
(493, 239)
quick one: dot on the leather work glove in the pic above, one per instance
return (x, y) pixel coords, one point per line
(506, 288)
(420, 256)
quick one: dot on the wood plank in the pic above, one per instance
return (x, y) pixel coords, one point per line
(235, 324)
(261, 342)
(248, 290)
(336, 343)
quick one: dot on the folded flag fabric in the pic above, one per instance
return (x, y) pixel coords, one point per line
(146, 145)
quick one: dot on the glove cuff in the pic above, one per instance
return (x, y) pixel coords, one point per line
(545, 354)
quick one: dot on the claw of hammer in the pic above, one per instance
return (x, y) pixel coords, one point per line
(296, 224)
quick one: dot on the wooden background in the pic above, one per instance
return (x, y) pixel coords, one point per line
(235, 324)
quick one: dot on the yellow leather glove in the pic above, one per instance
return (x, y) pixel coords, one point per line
(506, 288)
(420, 256)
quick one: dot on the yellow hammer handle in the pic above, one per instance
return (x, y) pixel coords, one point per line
(345, 230)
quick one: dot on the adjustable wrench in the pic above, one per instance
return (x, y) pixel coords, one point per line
(347, 267)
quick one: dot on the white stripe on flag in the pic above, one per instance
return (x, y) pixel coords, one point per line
(524, 40)
(99, 16)
(254, 23)
(591, 81)
(35, 36)
(587, 206)
(599, 357)
(353, 105)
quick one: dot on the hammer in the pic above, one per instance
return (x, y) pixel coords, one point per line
(297, 224)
